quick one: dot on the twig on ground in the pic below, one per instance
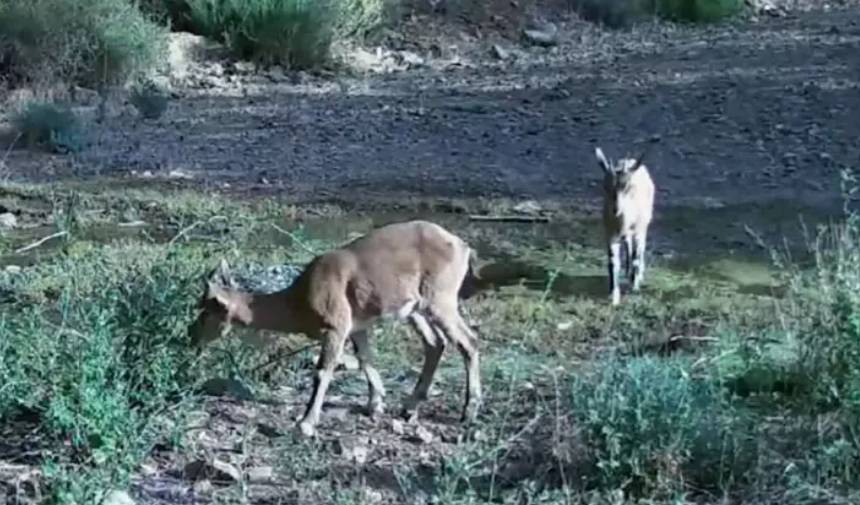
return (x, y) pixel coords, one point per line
(40, 242)
(282, 355)
(191, 227)
(295, 239)
(509, 218)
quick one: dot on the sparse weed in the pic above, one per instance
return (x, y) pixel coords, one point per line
(655, 429)
(295, 33)
(149, 99)
(89, 42)
(52, 124)
(623, 13)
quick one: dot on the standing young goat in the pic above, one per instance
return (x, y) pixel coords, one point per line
(414, 270)
(628, 203)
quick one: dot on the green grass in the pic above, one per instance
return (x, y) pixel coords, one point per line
(583, 403)
(53, 125)
(86, 42)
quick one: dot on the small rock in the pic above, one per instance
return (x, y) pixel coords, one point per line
(398, 427)
(179, 174)
(529, 207)
(218, 470)
(203, 487)
(220, 386)
(116, 497)
(227, 470)
(244, 67)
(355, 449)
(546, 36)
(500, 52)
(260, 474)
(8, 220)
(424, 435)
(565, 325)
(409, 59)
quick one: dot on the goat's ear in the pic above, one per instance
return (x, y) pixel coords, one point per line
(638, 163)
(601, 159)
(217, 292)
(222, 275)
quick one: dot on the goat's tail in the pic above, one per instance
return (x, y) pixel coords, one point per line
(471, 283)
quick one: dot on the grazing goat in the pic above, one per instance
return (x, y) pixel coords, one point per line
(413, 270)
(628, 203)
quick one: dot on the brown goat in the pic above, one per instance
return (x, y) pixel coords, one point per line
(412, 270)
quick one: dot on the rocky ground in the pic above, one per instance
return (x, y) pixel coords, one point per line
(766, 106)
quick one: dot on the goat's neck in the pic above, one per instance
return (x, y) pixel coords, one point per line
(274, 311)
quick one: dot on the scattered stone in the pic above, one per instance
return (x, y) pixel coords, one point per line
(545, 36)
(260, 474)
(398, 427)
(179, 174)
(225, 469)
(116, 497)
(409, 59)
(8, 220)
(354, 449)
(500, 52)
(220, 386)
(424, 435)
(564, 326)
(203, 487)
(244, 67)
(216, 470)
(529, 207)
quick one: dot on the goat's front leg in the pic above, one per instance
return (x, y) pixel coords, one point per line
(332, 346)
(614, 253)
(639, 259)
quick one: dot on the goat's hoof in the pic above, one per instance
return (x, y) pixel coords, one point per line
(410, 415)
(375, 410)
(307, 429)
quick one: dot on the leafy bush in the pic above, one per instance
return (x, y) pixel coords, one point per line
(295, 33)
(99, 364)
(697, 11)
(361, 18)
(149, 99)
(653, 427)
(52, 124)
(83, 41)
(622, 13)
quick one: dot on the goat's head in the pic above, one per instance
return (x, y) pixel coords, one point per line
(617, 175)
(222, 303)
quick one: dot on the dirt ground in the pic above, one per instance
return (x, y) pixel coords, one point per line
(755, 112)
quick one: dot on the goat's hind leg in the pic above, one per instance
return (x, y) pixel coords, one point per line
(447, 318)
(613, 251)
(376, 390)
(434, 347)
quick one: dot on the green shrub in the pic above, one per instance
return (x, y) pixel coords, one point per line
(697, 11)
(294, 33)
(362, 18)
(100, 364)
(653, 428)
(54, 125)
(149, 99)
(623, 13)
(89, 42)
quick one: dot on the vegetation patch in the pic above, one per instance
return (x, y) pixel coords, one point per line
(86, 42)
